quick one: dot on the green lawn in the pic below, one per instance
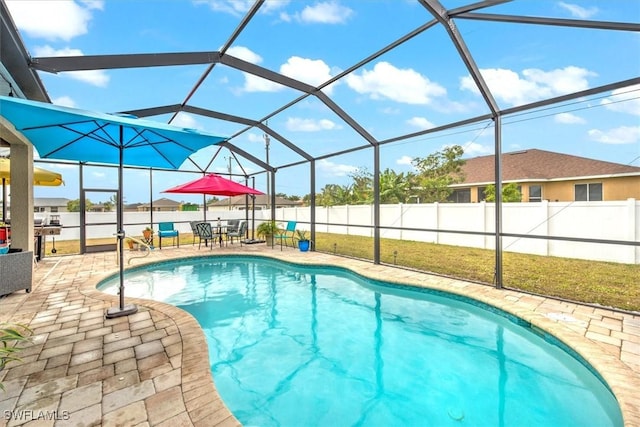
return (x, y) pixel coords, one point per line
(605, 283)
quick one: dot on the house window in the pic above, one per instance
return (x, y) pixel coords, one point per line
(535, 193)
(482, 196)
(54, 209)
(588, 192)
(460, 196)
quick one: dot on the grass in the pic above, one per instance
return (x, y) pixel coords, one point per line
(605, 283)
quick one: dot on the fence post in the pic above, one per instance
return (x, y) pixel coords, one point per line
(436, 206)
(633, 227)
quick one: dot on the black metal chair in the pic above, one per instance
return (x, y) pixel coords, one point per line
(194, 230)
(239, 232)
(205, 232)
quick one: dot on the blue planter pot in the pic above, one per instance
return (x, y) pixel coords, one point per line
(304, 245)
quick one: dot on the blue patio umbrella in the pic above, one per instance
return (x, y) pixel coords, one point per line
(71, 134)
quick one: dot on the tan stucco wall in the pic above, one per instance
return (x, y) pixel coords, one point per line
(617, 188)
(21, 186)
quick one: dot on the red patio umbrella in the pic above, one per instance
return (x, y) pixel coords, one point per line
(213, 184)
(217, 185)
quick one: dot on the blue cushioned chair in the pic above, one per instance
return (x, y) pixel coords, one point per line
(166, 229)
(287, 234)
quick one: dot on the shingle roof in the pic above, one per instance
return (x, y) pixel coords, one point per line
(261, 199)
(163, 202)
(534, 164)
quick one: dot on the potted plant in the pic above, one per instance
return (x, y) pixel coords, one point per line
(10, 337)
(267, 229)
(148, 234)
(303, 242)
(133, 245)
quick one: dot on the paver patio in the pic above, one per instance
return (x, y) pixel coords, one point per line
(148, 369)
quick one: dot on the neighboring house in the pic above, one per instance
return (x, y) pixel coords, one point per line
(160, 205)
(545, 175)
(262, 201)
(133, 207)
(50, 204)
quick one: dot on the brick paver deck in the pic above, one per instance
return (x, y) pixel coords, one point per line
(151, 368)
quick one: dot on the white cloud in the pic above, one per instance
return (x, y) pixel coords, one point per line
(313, 72)
(624, 100)
(258, 84)
(619, 135)
(420, 123)
(401, 85)
(390, 110)
(569, 119)
(65, 101)
(53, 19)
(335, 169)
(534, 84)
(321, 13)
(325, 13)
(245, 54)
(233, 7)
(309, 125)
(475, 149)
(94, 77)
(254, 137)
(404, 160)
(253, 83)
(186, 120)
(240, 7)
(578, 11)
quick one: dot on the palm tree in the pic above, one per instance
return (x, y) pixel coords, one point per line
(394, 187)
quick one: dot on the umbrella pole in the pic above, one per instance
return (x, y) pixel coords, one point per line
(4, 200)
(122, 310)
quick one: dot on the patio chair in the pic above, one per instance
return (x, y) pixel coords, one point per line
(287, 234)
(205, 232)
(194, 231)
(166, 229)
(239, 233)
(232, 225)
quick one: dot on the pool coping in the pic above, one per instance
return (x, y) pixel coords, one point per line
(205, 407)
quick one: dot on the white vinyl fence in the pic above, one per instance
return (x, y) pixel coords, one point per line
(616, 220)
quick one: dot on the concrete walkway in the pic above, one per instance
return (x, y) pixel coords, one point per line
(151, 368)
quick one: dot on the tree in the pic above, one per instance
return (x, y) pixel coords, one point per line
(436, 173)
(394, 187)
(74, 205)
(510, 193)
(362, 187)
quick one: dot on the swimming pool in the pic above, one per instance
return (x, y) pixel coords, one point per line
(294, 345)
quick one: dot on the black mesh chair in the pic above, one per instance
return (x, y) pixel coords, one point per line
(239, 232)
(205, 232)
(194, 230)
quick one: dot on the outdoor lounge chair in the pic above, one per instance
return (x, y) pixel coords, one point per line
(166, 229)
(239, 232)
(287, 234)
(205, 232)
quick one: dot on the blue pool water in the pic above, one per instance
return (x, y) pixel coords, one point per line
(294, 345)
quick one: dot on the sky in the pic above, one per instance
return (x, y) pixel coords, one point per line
(421, 84)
